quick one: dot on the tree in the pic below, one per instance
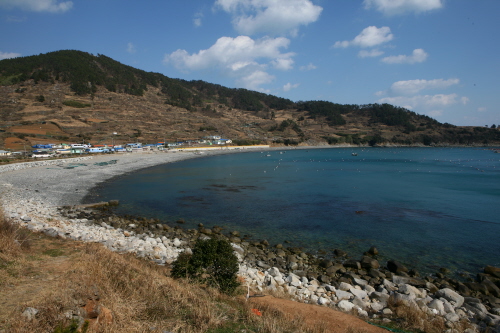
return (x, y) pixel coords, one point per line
(213, 262)
(493, 126)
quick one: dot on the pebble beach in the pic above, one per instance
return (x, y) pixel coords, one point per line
(33, 194)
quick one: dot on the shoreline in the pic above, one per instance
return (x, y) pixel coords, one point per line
(33, 198)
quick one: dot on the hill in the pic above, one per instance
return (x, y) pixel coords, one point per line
(73, 96)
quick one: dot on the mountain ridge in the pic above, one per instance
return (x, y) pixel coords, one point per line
(74, 96)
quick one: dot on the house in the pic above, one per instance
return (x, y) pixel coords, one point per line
(41, 154)
(5, 153)
(77, 150)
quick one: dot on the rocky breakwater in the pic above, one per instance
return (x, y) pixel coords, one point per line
(361, 285)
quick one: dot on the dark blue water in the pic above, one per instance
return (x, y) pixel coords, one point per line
(427, 207)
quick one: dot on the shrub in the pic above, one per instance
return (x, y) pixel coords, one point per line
(76, 104)
(212, 262)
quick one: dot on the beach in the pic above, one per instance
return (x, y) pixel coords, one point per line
(67, 181)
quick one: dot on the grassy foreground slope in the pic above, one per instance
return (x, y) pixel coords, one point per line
(73, 283)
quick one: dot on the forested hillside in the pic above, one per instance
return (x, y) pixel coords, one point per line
(73, 96)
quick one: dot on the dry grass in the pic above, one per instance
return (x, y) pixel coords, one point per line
(412, 318)
(141, 297)
(14, 241)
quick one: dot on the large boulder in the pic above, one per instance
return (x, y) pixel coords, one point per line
(345, 305)
(396, 267)
(493, 271)
(451, 296)
(369, 263)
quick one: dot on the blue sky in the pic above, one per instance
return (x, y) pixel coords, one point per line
(436, 57)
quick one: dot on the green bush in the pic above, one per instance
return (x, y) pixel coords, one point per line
(76, 104)
(212, 262)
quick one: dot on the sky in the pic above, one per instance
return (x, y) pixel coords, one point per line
(439, 58)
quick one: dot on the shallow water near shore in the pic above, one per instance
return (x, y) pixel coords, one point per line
(427, 207)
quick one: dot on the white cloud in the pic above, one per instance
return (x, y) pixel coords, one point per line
(308, 67)
(8, 55)
(424, 101)
(51, 6)
(131, 48)
(289, 86)
(256, 78)
(412, 87)
(396, 7)
(284, 64)
(418, 55)
(369, 37)
(241, 57)
(273, 17)
(197, 19)
(482, 109)
(370, 54)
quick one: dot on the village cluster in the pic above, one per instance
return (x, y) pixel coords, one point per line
(52, 149)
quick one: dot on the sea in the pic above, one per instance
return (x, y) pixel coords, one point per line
(428, 208)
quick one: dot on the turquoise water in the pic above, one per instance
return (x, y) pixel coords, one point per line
(427, 207)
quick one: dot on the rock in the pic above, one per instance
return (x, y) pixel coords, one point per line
(437, 305)
(387, 312)
(360, 282)
(323, 301)
(432, 287)
(334, 269)
(359, 303)
(410, 290)
(396, 267)
(373, 251)
(345, 305)
(339, 253)
(478, 309)
(341, 294)
(377, 306)
(493, 271)
(376, 274)
(345, 286)
(359, 293)
(369, 263)
(451, 296)
(293, 280)
(389, 285)
(408, 280)
(380, 297)
(325, 263)
(274, 272)
(452, 317)
(491, 287)
(324, 279)
(30, 313)
(352, 264)
(176, 242)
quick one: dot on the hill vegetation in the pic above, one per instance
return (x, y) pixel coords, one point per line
(89, 97)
